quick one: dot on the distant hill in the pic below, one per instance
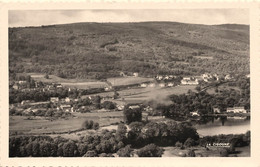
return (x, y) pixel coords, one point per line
(101, 50)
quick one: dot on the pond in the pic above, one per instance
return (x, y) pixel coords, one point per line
(232, 125)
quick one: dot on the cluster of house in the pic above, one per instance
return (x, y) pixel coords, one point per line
(20, 85)
(152, 85)
(189, 81)
(235, 110)
(164, 77)
(231, 110)
(122, 74)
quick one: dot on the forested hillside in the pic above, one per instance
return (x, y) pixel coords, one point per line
(101, 50)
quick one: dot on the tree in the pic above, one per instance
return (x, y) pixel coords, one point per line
(69, 149)
(96, 126)
(46, 76)
(189, 142)
(132, 115)
(121, 132)
(108, 105)
(150, 150)
(125, 152)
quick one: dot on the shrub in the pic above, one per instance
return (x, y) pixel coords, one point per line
(96, 126)
(178, 144)
(125, 152)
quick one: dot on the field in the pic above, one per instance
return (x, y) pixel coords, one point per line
(70, 83)
(138, 95)
(40, 125)
(128, 80)
(55, 79)
(222, 87)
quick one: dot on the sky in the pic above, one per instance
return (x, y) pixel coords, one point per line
(22, 18)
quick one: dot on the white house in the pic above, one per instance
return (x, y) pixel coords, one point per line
(194, 113)
(239, 110)
(135, 74)
(236, 110)
(170, 84)
(54, 99)
(162, 84)
(228, 77)
(143, 85)
(159, 77)
(67, 100)
(134, 107)
(66, 108)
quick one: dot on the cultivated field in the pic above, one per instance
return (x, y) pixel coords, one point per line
(70, 83)
(122, 81)
(21, 124)
(55, 79)
(138, 95)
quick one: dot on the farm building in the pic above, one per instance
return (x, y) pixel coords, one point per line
(236, 110)
(170, 84)
(162, 84)
(54, 99)
(143, 85)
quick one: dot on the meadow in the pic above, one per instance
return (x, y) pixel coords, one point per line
(22, 125)
(122, 81)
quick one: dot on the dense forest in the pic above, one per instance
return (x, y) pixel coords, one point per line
(102, 50)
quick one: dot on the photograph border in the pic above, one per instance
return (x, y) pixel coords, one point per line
(253, 160)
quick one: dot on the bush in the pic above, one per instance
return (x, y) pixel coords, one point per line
(125, 152)
(150, 150)
(90, 154)
(178, 144)
(90, 125)
(96, 126)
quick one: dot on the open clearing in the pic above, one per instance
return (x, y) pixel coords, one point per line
(122, 81)
(41, 125)
(70, 83)
(139, 95)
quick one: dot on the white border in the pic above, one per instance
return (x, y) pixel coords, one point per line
(253, 161)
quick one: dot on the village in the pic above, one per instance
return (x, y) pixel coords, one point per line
(108, 98)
